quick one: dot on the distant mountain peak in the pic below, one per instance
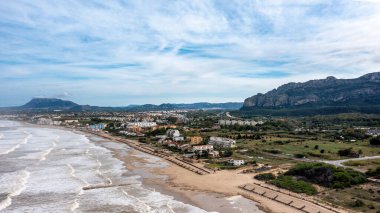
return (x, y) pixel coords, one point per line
(48, 103)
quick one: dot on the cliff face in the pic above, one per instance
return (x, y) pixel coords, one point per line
(364, 90)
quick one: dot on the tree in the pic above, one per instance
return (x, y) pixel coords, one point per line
(228, 153)
(345, 152)
(375, 141)
(316, 147)
(322, 151)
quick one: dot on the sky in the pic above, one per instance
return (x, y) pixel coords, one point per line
(119, 52)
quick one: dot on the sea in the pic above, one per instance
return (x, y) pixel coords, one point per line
(56, 170)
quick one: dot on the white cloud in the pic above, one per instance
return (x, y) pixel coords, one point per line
(118, 52)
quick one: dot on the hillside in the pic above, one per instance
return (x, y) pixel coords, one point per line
(328, 96)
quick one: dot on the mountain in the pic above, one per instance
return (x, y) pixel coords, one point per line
(330, 94)
(196, 106)
(49, 103)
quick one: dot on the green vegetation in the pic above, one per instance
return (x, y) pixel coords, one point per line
(327, 175)
(364, 164)
(373, 172)
(294, 185)
(375, 141)
(265, 176)
(346, 152)
(360, 199)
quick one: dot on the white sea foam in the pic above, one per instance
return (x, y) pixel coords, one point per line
(12, 149)
(5, 203)
(45, 154)
(16, 182)
(74, 206)
(70, 162)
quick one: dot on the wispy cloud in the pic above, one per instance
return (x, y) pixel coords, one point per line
(122, 52)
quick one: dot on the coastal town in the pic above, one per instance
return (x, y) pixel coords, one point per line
(260, 150)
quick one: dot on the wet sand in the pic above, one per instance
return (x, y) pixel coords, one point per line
(161, 175)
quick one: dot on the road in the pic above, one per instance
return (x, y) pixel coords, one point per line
(340, 162)
(229, 115)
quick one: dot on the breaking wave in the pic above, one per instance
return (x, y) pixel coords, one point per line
(23, 142)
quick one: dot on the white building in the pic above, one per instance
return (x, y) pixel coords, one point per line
(143, 124)
(172, 133)
(236, 162)
(222, 142)
(203, 148)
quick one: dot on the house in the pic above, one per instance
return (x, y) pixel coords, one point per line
(134, 128)
(207, 148)
(196, 140)
(213, 154)
(71, 121)
(172, 133)
(178, 138)
(98, 126)
(188, 155)
(236, 162)
(222, 142)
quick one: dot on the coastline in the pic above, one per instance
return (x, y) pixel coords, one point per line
(212, 192)
(228, 184)
(162, 179)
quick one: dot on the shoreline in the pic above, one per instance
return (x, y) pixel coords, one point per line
(229, 183)
(159, 179)
(189, 187)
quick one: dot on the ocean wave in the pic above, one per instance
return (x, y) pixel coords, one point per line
(45, 154)
(5, 203)
(24, 141)
(143, 207)
(15, 189)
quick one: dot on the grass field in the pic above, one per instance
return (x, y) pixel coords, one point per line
(292, 146)
(364, 164)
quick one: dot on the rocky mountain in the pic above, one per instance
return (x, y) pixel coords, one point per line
(362, 91)
(49, 103)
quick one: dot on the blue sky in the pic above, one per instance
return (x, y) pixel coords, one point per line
(115, 53)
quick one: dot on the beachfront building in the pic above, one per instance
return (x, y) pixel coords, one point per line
(222, 142)
(143, 124)
(99, 126)
(171, 133)
(178, 138)
(205, 148)
(236, 162)
(195, 140)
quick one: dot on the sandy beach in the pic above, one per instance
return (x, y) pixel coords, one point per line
(213, 191)
(163, 177)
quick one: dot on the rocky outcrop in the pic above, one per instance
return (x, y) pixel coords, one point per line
(364, 90)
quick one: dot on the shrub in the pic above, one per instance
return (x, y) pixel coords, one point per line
(316, 147)
(322, 151)
(345, 152)
(265, 176)
(375, 141)
(273, 151)
(299, 155)
(294, 185)
(372, 173)
(327, 175)
(358, 203)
